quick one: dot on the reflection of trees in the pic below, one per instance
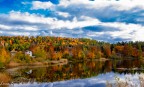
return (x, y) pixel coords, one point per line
(79, 70)
(107, 66)
(128, 65)
(70, 71)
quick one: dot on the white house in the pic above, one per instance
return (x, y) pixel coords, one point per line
(28, 53)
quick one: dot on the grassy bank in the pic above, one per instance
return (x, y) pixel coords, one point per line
(37, 63)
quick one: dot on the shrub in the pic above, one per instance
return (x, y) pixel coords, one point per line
(21, 57)
(1, 65)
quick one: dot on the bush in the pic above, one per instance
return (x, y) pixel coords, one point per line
(39, 52)
(1, 65)
(21, 57)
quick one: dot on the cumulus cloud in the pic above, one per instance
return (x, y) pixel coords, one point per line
(32, 22)
(104, 10)
(64, 14)
(53, 23)
(42, 5)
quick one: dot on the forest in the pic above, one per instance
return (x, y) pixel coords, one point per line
(47, 48)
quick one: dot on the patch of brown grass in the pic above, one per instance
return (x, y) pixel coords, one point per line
(13, 64)
(4, 78)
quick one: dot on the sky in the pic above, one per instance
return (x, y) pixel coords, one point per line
(102, 20)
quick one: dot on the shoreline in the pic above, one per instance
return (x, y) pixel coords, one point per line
(13, 64)
(50, 62)
(47, 63)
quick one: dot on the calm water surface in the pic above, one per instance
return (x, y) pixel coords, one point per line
(78, 74)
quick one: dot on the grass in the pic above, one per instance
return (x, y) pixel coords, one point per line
(4, 78)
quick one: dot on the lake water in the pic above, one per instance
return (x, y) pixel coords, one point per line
(80, 74)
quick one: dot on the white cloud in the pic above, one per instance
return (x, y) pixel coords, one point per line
(53, 23)
(39, 24)
(64, 14)
(76, 24)
(42, 5)
(138, 35)
(31, 18)
(7, 27)
(4, 27)
(133, 32)
(119, 5)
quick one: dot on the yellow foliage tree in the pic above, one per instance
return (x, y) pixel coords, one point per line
(4, 55)
(57, 56)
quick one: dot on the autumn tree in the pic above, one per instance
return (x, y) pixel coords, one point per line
(140, 50)
(57, 56)
(4, 55)
(107, 50)
(22, 58)
(90, 55)
(118, 49)
(66, 53)
(39, 52)
(127, 51)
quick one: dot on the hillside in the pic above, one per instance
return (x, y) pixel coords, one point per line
(48, 48)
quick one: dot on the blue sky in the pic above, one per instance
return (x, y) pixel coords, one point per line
(103, 20)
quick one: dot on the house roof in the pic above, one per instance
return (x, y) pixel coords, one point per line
(28, 51)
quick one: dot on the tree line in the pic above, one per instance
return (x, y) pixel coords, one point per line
(55, 48)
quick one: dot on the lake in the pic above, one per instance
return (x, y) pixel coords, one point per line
(79, 74)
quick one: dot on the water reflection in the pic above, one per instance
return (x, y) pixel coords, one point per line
(59, 73)
(78, 74)
(96, 81)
